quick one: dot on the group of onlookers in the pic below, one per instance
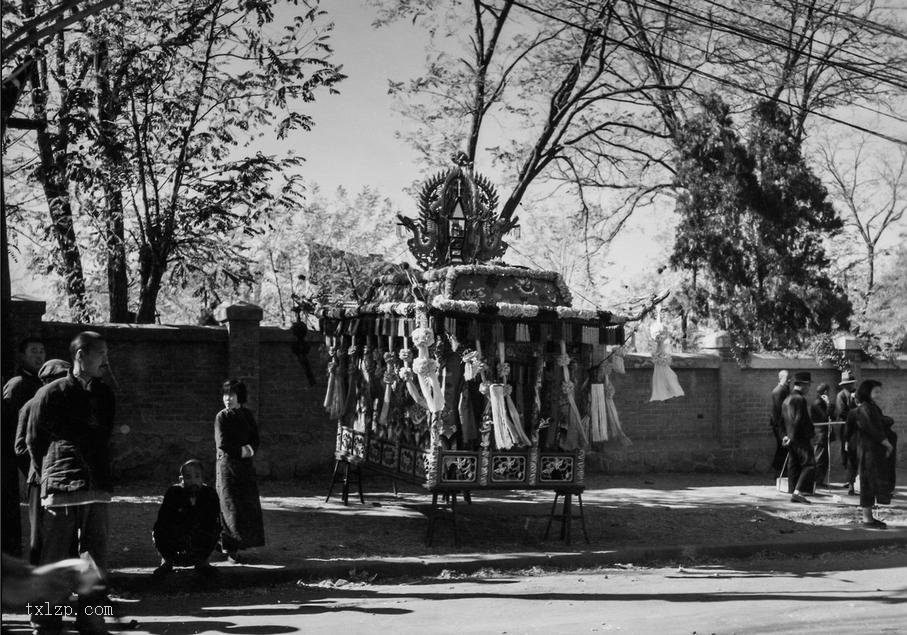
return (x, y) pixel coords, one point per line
(58, 421)
(803, 430)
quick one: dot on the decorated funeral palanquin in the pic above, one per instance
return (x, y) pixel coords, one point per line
(468, 374)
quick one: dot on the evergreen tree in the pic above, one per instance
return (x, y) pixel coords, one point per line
(753, 221)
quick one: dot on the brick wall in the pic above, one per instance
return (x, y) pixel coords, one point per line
(722, 421)
(167, 382)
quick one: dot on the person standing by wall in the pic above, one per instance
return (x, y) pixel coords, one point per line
(874, 451)
(776, 421)
(844, 403)
(16, 392)
(819, 414)
(51, 370)
(798, 438)
(236, 441)
(68, 435)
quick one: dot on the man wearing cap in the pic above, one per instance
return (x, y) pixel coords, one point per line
(776, 421)
(798, 438)
(844, 403)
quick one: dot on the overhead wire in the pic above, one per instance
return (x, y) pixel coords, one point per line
(680, 13)
(783, 30)
(874, 111)
(713, 77)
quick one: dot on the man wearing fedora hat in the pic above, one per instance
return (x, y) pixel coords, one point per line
(798, 438)
(844, 403)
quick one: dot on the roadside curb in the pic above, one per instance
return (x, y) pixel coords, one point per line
(250, 576)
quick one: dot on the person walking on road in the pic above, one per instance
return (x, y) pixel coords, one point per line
(236, 441)
(776, 421)
(798, 438)
(874, 452)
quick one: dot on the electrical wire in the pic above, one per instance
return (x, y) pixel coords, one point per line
(671, 10)
(874, 111)
(783, 30)
(721, 80)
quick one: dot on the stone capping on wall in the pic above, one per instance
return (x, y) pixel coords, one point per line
(774, 361)
(678, 360)
(144, 332)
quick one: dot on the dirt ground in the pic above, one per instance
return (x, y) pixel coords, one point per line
(620, 511)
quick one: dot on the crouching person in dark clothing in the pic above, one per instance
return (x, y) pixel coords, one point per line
(188, 523)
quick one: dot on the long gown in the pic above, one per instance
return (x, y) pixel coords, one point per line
(664, 380)
(236, 483)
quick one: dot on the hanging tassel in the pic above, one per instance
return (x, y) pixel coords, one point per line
(522, 333)
(390, 378)
(409, 377)
(598, 413)
(426, 370)
(576, 437)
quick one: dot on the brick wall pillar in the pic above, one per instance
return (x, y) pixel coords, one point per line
(243, 322)
(729, 376)
(853, 351)
(26, 314)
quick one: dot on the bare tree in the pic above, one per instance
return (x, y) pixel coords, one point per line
(871, 191)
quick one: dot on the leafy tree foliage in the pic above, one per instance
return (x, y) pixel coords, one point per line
(753, 221)
(154, 111)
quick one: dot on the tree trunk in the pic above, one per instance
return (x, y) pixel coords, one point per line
(7, 361)
(870, 283)
(52, 174)
(114, 234)
(53, 179)
(117, 279)
(152, 267)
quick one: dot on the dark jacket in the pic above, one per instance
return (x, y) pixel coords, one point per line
(32, 470)
(68, 435)
(234, 429)
(845, 404)
(875, 472)
(182, 526)
(797, 422)
(818, 411)
(16, 393)
(779, 394)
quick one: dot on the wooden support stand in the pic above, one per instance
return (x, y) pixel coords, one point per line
(565, 518)
(449, 502)
(342, 473)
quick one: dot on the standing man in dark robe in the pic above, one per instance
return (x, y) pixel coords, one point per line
(52, 370)
(779, 394)
(844, 403)
(69, 428)
(819, 414)
(798, 438)
(16, 392)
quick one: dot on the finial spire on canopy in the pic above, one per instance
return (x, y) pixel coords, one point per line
(457, 222)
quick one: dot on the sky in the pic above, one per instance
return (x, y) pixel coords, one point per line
(353, 142)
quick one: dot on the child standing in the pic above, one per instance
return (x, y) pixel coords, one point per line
(188, 523)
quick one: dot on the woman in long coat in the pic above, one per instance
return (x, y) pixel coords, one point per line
(874, 451)
(236, 441)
